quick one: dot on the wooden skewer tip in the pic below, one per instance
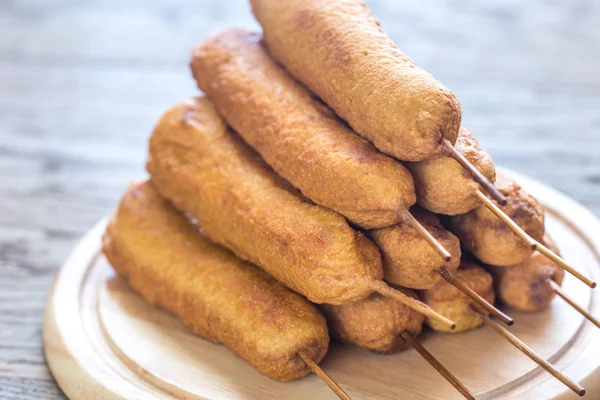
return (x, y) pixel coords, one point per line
(532, 243)
(475, 297)
(314, 367)
(529, 352)
(439, 367)
(556, 259)
(560, 292)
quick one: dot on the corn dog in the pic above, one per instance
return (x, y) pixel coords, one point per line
(524, 286)
(490, 239)
(219, 297)
(408, 260)
(299, 137)
(443, 186)
(448, 300)
(374, 323)
(338, 49)
(202, 167)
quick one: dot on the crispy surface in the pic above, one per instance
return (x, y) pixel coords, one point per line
(444, 186)
(297, 135)
(490, 239)
(374, 323)
(523, 286)
(218, 296)
(202, 167)
(447, 300)
(408, 260)
(338, 49)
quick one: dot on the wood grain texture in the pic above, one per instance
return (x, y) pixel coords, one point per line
(97, 332)
(83, 82)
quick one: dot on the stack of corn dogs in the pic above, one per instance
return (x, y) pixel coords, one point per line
(323, 186)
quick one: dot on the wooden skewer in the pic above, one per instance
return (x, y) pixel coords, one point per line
(429, 238)
(452, 279)
(414, 343)
(475, 173)
(531, 242)
(524, 236)
(383, 289)
(529, 352)
(326, 378)
(474, 296)
(448, 276)
(555, 258)
(558, 290)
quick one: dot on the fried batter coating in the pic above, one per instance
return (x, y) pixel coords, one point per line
(205, 169)
(297, 135)
(444, 186)
(338, 49)
(524, 286)
(218, 296)
(447, 300)
(491, 240)
(374, 323)
(408, 260)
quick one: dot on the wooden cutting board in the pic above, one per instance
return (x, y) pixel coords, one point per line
(102, 340)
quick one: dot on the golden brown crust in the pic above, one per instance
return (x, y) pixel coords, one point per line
(202, 167)
(524, 286)
(338, 49)
(447, 300)
(443, 186)
(218, 296)
(374, 323)
(490, 239)
(408, 260)
(297, 135)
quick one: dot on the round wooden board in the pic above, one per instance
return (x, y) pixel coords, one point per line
(102, 340)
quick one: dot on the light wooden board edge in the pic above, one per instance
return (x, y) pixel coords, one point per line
(80, 361)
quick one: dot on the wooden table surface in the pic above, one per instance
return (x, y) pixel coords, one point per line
(83, 82)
